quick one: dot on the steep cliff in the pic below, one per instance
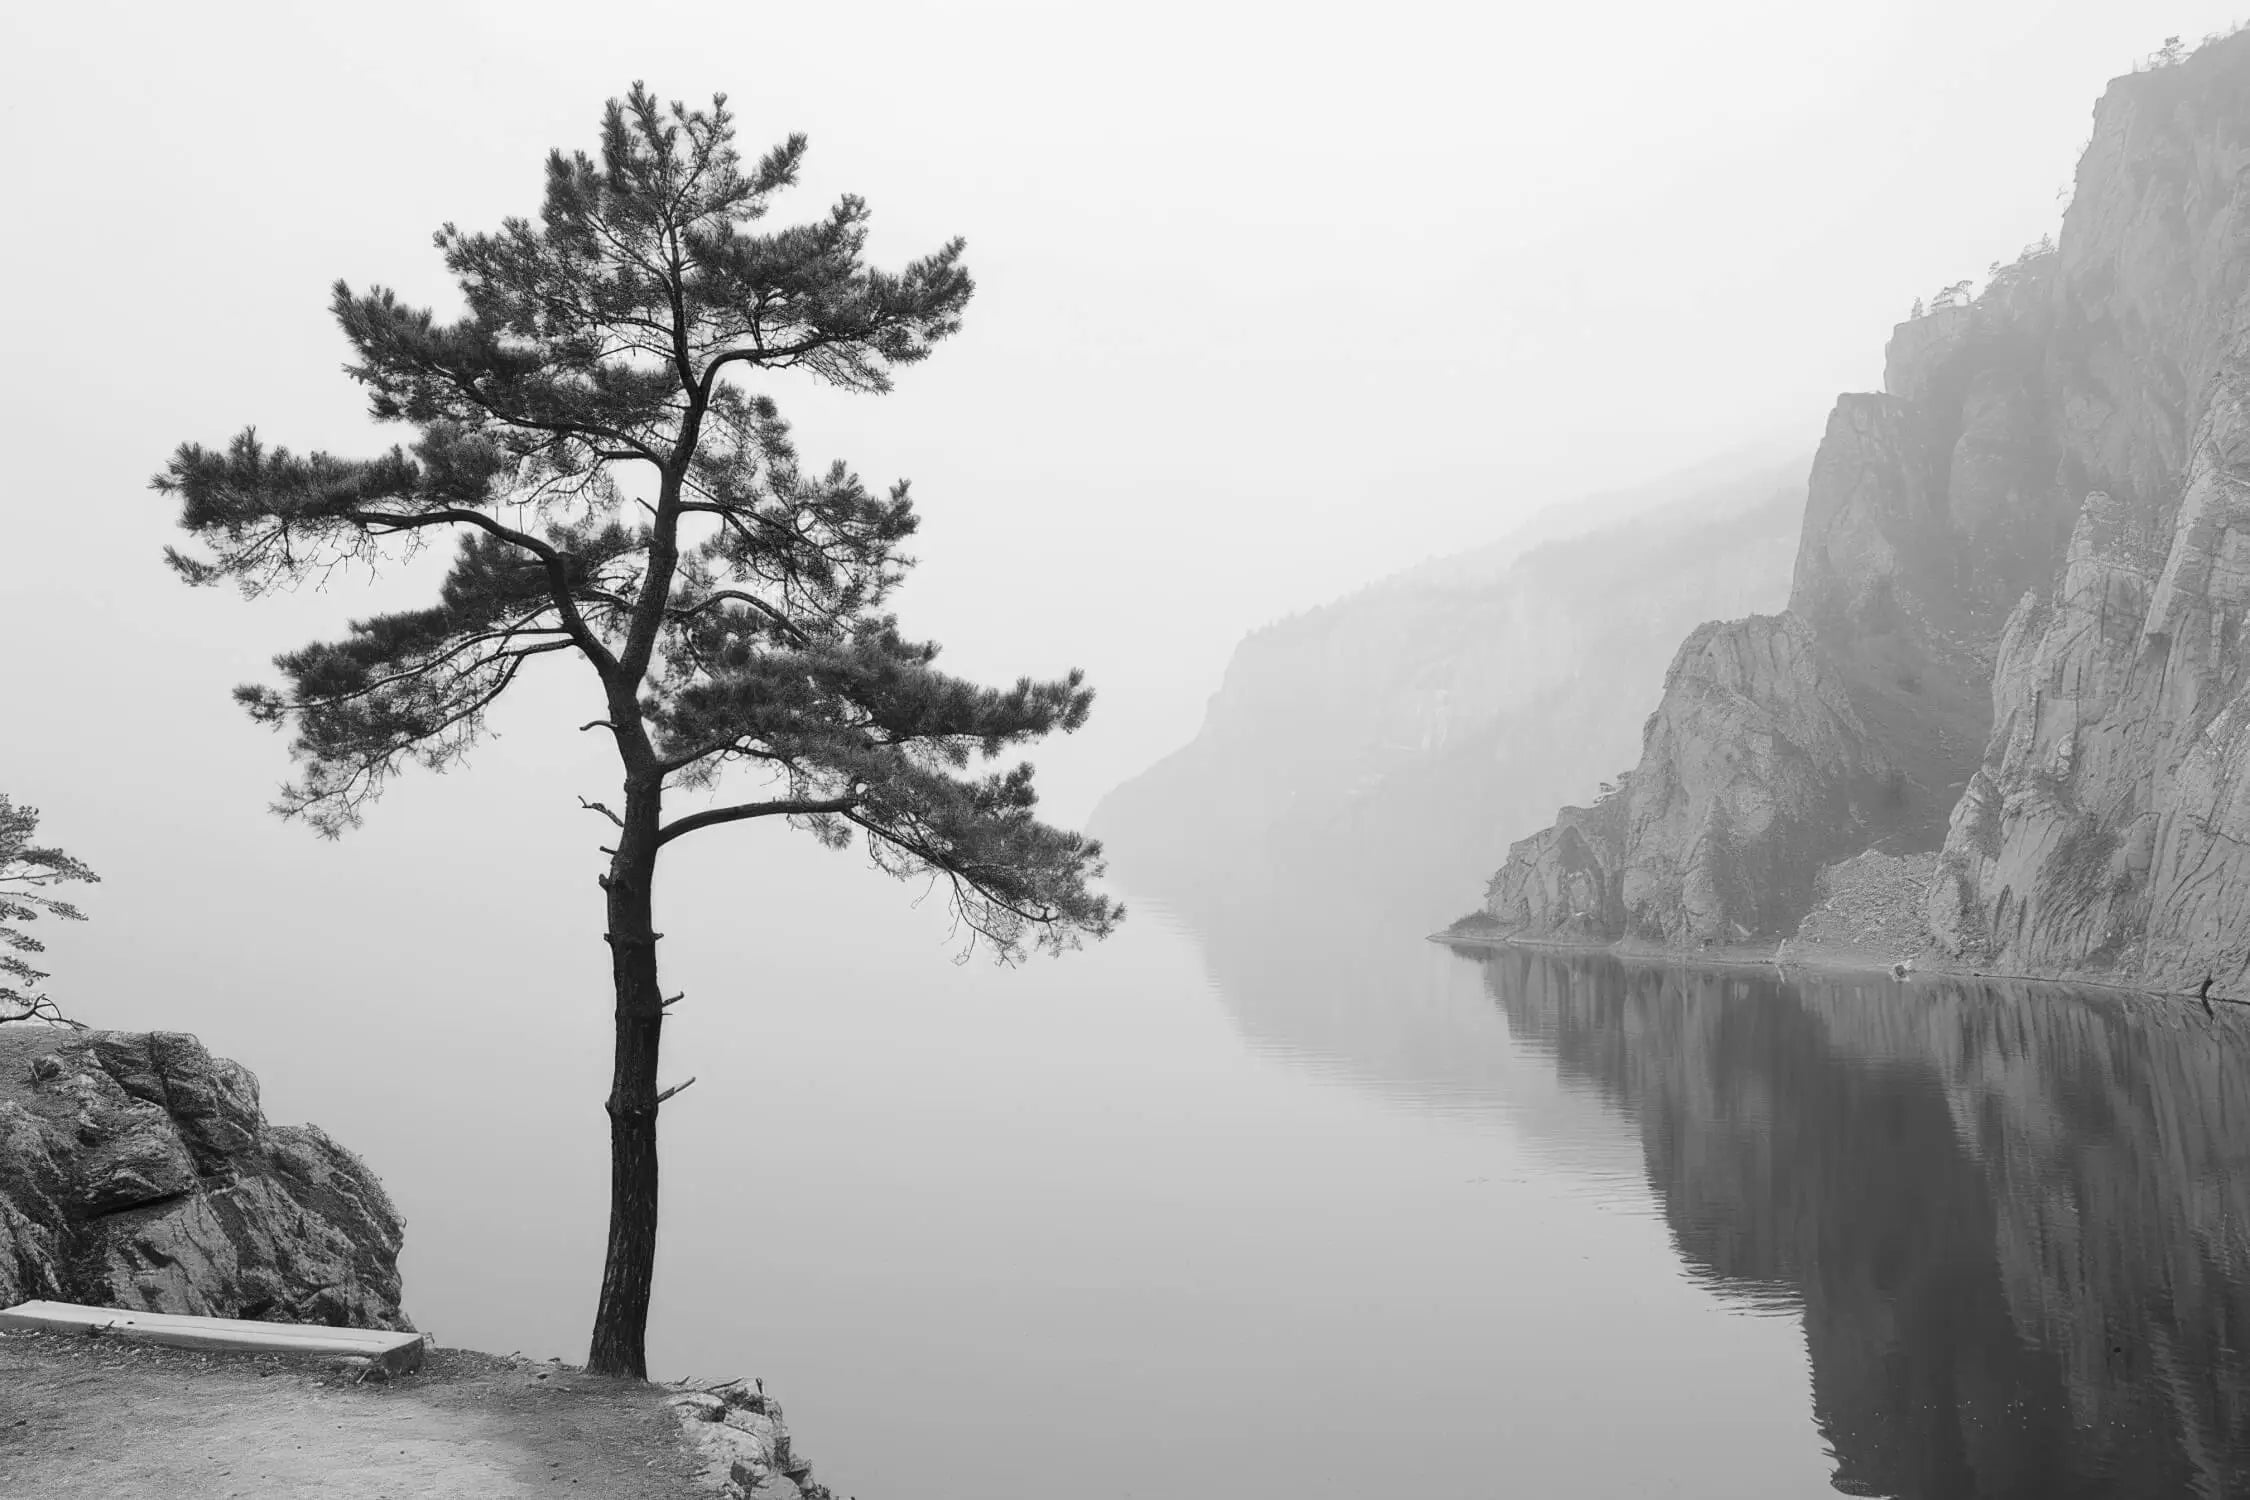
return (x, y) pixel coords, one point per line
(1784, 743)
(1995, 558)
(2108, 830)
(138, 1171)
(1403, 735)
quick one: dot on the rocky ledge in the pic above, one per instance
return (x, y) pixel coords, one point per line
(736, 1433)
(138, 1171)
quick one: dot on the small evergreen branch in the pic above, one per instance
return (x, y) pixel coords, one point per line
(27, 872)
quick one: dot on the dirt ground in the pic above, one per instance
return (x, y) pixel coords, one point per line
(84, 1416)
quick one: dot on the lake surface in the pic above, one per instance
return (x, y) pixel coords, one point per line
(1281, 1200)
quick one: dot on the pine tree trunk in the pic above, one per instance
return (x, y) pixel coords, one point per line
(621, 1321)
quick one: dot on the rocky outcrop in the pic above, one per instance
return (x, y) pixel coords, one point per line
(138, 1171)
(736, 1433)
(1754, 771)
(2020, 582)
(1568, 879)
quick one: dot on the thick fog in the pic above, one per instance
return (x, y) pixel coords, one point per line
(1272, 300)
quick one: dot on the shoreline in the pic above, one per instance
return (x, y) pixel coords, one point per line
(1731, 956)
(466, 1425)
(1826, 959)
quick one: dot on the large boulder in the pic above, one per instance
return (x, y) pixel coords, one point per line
(138, 1171)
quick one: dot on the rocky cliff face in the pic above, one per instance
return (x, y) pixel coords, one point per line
(1751, 770)
(1786, 743)
(2107, 831)
(1399, 738)
(137, 1171)
(2027, 547)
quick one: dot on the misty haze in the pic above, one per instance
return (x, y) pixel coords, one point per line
(994, 752)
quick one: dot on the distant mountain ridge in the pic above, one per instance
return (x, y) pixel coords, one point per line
(1403, 734)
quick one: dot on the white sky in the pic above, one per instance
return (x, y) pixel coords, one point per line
(1273, 299)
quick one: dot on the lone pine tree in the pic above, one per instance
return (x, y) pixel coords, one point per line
(616, 495)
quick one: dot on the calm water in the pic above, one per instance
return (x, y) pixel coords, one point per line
(1284, 1201)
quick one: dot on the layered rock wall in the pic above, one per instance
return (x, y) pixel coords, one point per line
(2107, 832)
(138, 1171)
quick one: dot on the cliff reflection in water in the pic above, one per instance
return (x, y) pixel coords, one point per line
(2018, 1221)
(2015, 1220)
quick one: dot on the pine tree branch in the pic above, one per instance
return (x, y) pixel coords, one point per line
(369, 765)
(558, 569)
(927, 853)
(773, 358)
(581, 429)
(423, 669)
(780, 807)
(732, 744)
(40, 1008)
(789, 627)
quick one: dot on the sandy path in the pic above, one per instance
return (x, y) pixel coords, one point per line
(84, 1418)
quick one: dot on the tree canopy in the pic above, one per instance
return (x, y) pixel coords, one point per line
(735, 616)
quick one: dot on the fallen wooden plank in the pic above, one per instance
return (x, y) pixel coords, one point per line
(391, 1351)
